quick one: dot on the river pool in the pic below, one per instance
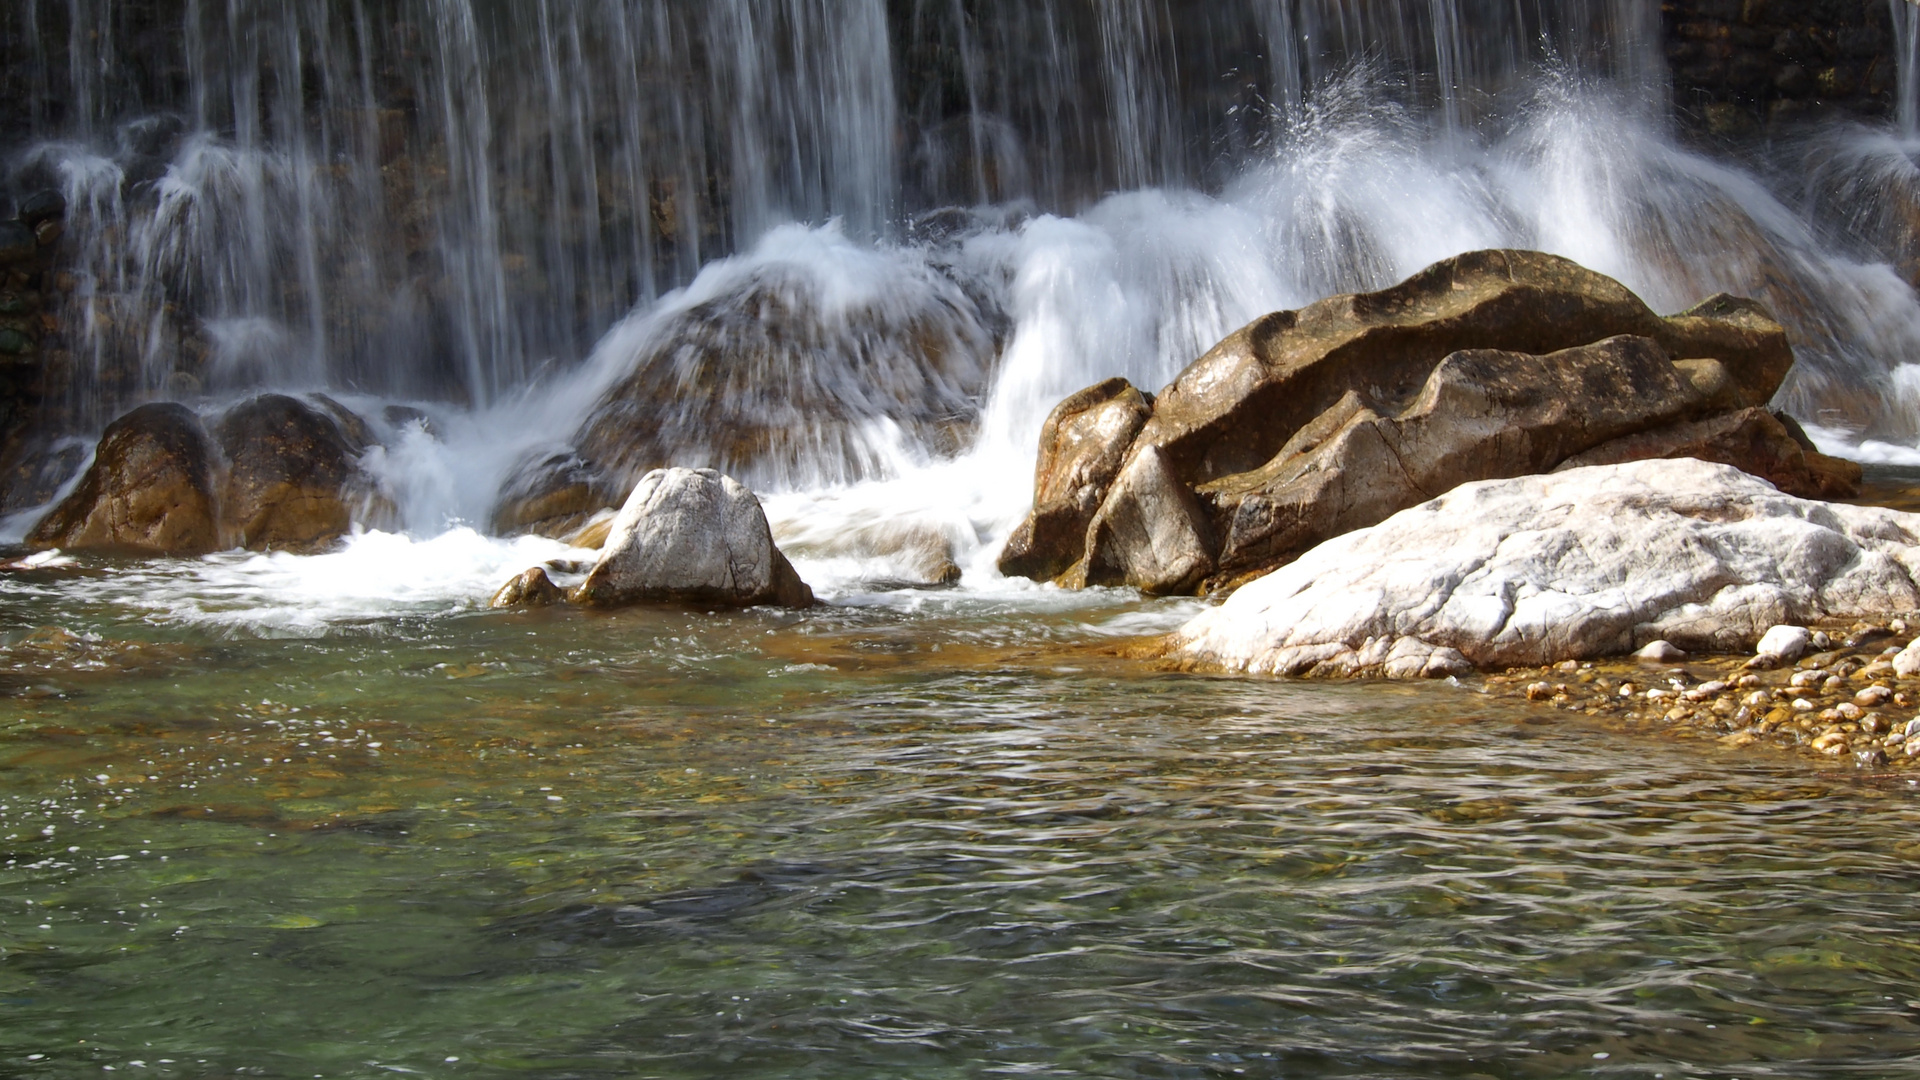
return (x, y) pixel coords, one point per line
(913, 834)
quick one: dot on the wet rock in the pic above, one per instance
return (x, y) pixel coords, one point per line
(769, 365)
(1235, 407)
(1479, 415)
(1752, 440)
(594, 533)
(47, 204)
(1082, 448)
(1660, 652)
(37, 472)
(290, 467)
(691, 536)
(402, 416)
(17, 243)
(1305, 424)
(909, 552)
(531, 589)
(552, 493)
(1588, 563)
(1783, 644)
(1151, 533)
(150, 489)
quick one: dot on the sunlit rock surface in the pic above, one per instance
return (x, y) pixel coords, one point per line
(691, 536)
(150, 489)
(1585, 563)
(1306, 424)
(290, 472)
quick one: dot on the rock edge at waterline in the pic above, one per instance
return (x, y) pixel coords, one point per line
(684, 536)
(1575, 565)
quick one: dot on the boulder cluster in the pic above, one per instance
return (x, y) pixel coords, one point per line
(1305, 425)
(273, 473)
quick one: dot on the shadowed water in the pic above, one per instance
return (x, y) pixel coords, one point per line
(921, 835)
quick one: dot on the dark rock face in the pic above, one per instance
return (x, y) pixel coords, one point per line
(287, 484)
(1743, 70)
(150, 490)
(1308, 424)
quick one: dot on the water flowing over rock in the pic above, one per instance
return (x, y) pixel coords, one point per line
(150, 489)
(1586, 563)
(1306, 424)
(691, 536)
(289, 473)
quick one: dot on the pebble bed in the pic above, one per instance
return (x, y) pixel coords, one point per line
(1842, 703)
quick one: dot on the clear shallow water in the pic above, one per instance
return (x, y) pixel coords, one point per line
(955, 837)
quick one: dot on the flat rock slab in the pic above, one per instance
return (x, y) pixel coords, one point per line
(1585, 563)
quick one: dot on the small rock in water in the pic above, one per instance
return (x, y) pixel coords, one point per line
(1906, 662)
(1871, 757)
(1872, 696)
(531, 589)
(1783, 644)
(1819, 639)
(1661, 652)
(1539, 691)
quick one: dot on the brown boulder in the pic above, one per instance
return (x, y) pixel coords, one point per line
(1481, 415)
(1751, 440)
(1232, 409)
(149, 490)
(1082, 447)
(289, 470)
(531, 589)
(1346, 384)
(1151, 533)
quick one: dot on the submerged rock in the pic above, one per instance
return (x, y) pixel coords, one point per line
(1305, 424)
(692, 536)
(149, 490)
(1587, 563)
(289, 475)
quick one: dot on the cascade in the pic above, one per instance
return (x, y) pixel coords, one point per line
(823, 243)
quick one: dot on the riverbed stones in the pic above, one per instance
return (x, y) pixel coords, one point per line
(1587, 563)
(691, 536)
(1306, 424)
(150, 490)
(289, 470)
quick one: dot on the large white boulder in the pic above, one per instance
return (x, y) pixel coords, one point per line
(1590, 562)
(691, 536)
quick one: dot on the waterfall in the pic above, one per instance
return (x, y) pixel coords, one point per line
(505, 210)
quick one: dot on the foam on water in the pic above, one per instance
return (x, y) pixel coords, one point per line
(373, 576)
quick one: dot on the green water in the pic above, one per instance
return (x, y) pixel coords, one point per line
(954, 841)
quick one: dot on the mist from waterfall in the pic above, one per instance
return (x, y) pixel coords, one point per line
(901, 230)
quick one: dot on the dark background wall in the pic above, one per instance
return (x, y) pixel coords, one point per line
(1747, 68)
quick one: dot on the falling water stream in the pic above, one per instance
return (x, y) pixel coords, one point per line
(326, 816)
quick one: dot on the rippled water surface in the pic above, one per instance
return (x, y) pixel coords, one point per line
(932, 836)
